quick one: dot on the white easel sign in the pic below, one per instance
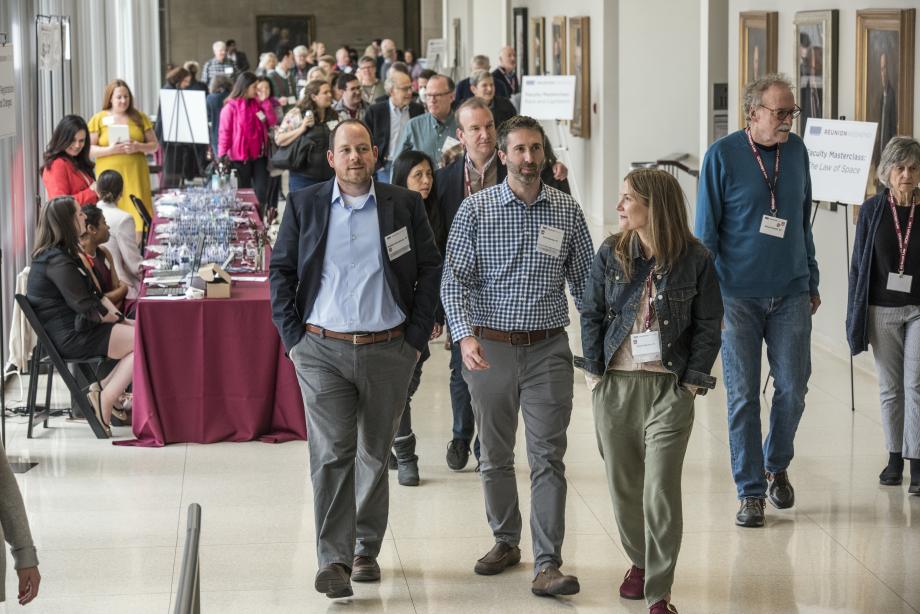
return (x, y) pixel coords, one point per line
(548, 97)
(7, 93)
(840, 154)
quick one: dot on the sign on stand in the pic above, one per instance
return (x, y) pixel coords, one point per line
(7, 93)
(548, 97)
(840, 153)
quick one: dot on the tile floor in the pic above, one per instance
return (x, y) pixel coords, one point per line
(109, 522)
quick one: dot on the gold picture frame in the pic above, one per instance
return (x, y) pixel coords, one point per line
(885, 76)
(815, 72)
(537, 46)
(558, 60)
(580, 66)
(757, 51)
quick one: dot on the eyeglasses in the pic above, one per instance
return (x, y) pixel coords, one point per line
(783, 114)
(438, 95)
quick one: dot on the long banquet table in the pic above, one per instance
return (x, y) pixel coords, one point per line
(211, 370)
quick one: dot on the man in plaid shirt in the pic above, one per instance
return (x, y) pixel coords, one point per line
(510, 251)
(219, 65)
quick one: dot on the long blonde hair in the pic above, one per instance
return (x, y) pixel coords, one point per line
(668, 230)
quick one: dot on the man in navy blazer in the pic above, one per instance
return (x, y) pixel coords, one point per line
(397, 109)
(354, 274)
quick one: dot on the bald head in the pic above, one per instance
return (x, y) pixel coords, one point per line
(507, 59)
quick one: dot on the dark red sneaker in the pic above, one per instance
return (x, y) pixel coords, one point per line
(662, 607)
(633, 586)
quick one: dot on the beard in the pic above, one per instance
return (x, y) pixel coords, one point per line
(525, 173)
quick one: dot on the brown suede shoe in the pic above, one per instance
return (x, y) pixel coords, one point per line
(662, 607)
(333, 581)
(365, 569)
(498, 559)
(633, 586)
(550, 581)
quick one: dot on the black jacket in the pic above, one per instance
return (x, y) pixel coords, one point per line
(502, 110)
(450, 189)
(296, 268)
(377, 119)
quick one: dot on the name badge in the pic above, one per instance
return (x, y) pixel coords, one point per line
(332, 123)
(449, 143)
(773, 226)
(646, 347)
(397, 243)
(301, 82)
(228, 70)
(549, 241)
(899, 283)
(260, 115)
(108, 120)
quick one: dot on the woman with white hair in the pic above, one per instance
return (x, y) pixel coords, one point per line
(883, 309)
(267, 63)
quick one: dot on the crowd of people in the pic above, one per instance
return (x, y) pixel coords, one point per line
(418, 208)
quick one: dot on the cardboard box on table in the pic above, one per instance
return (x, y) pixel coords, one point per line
(213, 280)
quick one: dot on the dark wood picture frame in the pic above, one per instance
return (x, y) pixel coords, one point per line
(519, 39)
(580, 66)
(757, 51)
(270, 28)
(537, 46)
(558, 60)
(816, 56)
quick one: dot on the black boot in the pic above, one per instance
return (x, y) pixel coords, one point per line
(914, 477)
(891, 474)
(406, 460)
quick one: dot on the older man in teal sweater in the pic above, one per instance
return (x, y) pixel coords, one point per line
(753, 210)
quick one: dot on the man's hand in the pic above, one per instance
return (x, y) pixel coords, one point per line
(29, 579)
(436, 331)
(815, 303)
(473, 357)
(592, 381)
(560, 172)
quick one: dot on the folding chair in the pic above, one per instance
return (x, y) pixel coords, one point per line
(85, 373)
(145, 218)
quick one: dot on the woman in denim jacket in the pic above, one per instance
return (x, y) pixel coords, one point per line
(650, 330)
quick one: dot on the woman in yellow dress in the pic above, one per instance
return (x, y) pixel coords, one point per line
(127, 157)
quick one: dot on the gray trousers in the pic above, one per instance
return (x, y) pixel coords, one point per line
(354, 396)
(538, 379)
(894, 333)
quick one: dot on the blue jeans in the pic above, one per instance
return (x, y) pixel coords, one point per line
(460, 401)
(384, 173)
(784, 323)
(296, 181)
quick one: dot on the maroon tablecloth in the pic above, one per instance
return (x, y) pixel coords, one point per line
(213, 370)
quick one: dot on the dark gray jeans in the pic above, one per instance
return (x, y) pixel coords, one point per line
(538, 379)
(354, 396)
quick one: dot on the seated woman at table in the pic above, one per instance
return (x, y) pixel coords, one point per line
(67, 169)
(80, 321)
(126, 256)
(99, 260)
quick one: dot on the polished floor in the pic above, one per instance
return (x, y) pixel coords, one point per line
(109, 522)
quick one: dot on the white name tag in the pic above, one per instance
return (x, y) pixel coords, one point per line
(773, 226)
(549, 241)
(899, 283)
(260, 115)
(228, 70)
(449, 143)
(646, 346)
(397, 243)
(292, 99)
(301, 82)
(108, 120)
(332, 123)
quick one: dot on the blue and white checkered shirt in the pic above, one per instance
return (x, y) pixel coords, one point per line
(493, 274)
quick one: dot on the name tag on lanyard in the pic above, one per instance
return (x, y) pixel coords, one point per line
(899, 282)
(773, 226)
(646, 347)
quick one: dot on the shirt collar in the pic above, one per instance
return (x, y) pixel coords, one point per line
(395, 109)
(485, 168)
(337, 196)
(508, 197)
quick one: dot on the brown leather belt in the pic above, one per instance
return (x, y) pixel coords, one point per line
(357, 338)
(516, 337)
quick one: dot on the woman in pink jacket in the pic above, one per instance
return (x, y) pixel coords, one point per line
(243, 135)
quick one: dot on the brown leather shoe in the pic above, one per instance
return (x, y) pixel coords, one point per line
(662, 607)
(550, 581)
(333, 580)
(498, 559)
(365, 569)
(633, 586)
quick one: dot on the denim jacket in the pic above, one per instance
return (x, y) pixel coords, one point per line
(688, 307)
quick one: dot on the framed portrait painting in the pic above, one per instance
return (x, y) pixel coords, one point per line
(757, 36)
(519, 19)
(815, 73)
(537, 45)
(272, 30)
(557, 59)
(885, 76)
(580, 66)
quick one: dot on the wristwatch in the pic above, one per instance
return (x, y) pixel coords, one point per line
(121, 318)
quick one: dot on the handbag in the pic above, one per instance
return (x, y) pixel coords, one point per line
(290, 157)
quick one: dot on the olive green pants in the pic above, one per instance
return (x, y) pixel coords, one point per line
(643, 423)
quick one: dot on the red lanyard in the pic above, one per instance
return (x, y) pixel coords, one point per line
(902, 240)
(763, 170)
(466, 179)
(651, 301)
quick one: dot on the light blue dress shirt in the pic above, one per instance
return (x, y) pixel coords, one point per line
(354, 295)
(398, 120)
